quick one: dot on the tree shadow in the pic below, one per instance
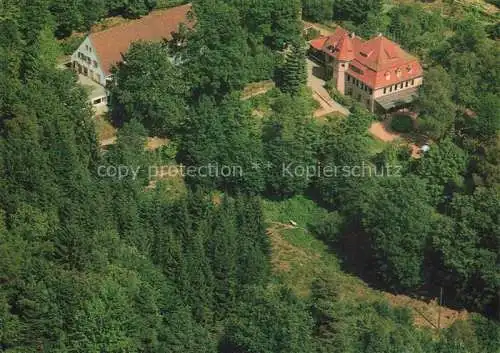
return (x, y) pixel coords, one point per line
(319, 72)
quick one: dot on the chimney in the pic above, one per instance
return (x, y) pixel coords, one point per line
(379, 34)
(352, 35)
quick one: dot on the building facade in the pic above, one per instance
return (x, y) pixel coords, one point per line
(378, 73)
(85, 61)
(100, 51)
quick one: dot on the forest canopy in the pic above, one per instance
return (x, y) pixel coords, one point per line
(100, 264)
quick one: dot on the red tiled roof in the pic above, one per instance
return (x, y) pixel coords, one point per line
(339, 45)
(112, 43)
(378, 62)
(345, 48)
(318, 43)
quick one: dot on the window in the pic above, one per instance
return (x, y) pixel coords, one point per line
(94, 63)
(343, 65)
(370, 90)
(348, 78)
(406, 84)
(401, 85)
(390, 89)
(385, 90)
(97, 101)
(412, 82)
(356, 69)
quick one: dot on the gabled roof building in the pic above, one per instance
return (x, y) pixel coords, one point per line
(100, 51)
(376, 72)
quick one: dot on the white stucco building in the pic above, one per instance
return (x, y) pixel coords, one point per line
(100, 51)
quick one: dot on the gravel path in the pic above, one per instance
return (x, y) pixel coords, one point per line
(328, 105)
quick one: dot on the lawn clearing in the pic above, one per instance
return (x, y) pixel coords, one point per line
(104, 129)
(298, 258)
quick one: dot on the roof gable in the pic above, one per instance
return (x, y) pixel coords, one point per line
(339, 45)
(377, 62)
(380, 53)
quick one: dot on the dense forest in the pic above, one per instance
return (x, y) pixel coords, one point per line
(101, 264)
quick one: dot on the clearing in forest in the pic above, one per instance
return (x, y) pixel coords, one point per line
(299, 258)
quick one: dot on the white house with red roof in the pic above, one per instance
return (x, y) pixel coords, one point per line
(376, 72)
(100, 51)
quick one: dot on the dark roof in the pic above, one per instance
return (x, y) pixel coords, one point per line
(395, 99)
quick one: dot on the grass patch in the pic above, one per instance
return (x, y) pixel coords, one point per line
(300, 209)
(257, 88)
(376, 145)
(299, 258)
(104, 128)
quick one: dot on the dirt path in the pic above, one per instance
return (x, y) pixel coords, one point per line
(320, 94)
(108, 141)
(323, 30)
(381, 131)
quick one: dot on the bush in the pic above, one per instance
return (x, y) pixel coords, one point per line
(402, 123)
(328, 227)
(312, 33)
(344, 100)
(70, 44)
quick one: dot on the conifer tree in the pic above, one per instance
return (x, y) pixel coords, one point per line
(294, 75)
(223, 245)
(253, 243)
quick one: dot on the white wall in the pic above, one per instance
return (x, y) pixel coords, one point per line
(93, 72)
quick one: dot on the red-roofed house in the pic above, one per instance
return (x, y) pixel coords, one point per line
(100, 51)
(376, 72)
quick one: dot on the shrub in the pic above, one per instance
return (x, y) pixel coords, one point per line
(70, 44)
(402, 123)
(346, 101)
(328, 227)
(312, 33)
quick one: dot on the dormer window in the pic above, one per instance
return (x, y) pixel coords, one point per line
(356, 69)
(409, 69)
(398, 72)
(387, 75)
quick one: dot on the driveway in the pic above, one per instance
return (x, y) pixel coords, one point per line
(320, 94)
